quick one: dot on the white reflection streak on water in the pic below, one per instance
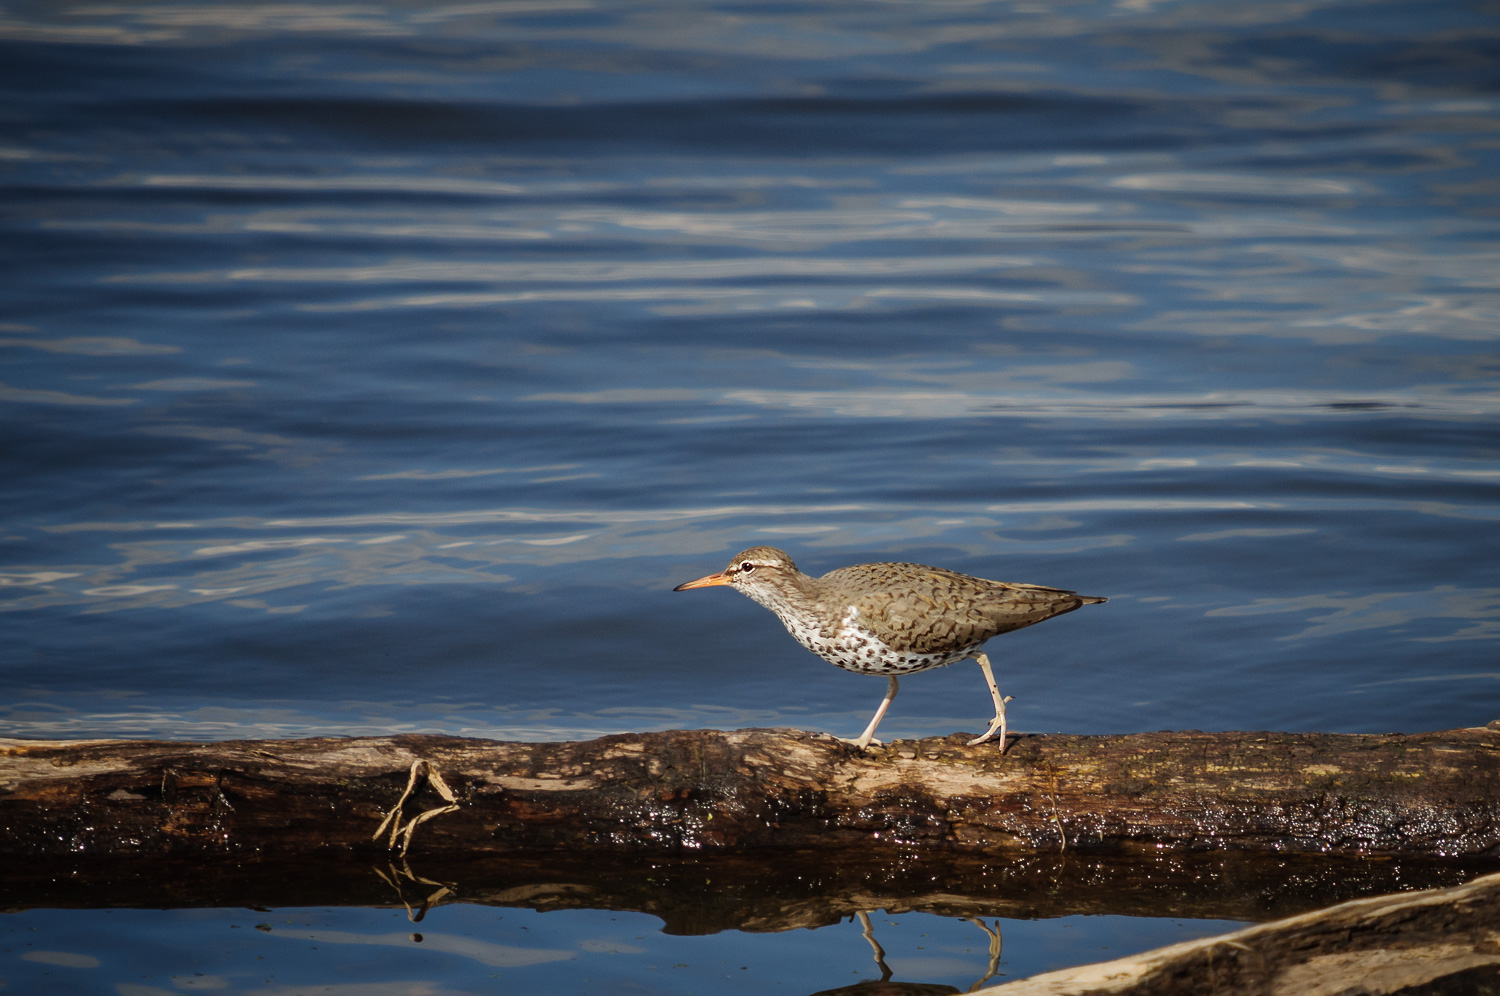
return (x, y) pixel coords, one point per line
(812, 228)
(1385, 610)
(788, 295)
(91, 346)
(484, 952)
(594, 272)
(1441, 402)
(53, 718)
(816, 34)
(409, 184)
(1247, 185)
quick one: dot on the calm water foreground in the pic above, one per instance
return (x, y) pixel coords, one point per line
(379, 367)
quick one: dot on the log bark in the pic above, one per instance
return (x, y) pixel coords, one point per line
(1432, 943)
(703, 791)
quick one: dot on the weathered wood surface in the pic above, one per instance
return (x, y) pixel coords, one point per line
(1432, 943)
(699, 791)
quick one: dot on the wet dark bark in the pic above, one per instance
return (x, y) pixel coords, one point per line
(1436, 943)
(705, 791)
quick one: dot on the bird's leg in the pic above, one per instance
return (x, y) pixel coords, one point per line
(868, 736)
(996, 943)
(998, 723)
(868, 929)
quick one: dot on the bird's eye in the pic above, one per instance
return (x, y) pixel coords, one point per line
(746, 567)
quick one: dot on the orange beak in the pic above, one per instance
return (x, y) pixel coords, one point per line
(708, 582)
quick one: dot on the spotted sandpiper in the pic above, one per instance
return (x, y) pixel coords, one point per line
(893, 619)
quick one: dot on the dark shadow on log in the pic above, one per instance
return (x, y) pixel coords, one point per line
(696, 792)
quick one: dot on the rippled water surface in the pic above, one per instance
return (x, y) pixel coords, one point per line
(381, 366)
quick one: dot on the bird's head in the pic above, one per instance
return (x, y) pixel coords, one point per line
(760, 568)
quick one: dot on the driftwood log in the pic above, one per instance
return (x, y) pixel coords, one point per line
(1441, 942)
(705, 791)
(775, 829)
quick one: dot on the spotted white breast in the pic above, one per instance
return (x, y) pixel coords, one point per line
(854, 648)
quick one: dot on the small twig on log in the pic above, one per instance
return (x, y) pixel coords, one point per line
(1062, 832)
(419, 769)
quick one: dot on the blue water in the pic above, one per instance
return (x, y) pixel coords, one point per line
(478, 949)
(380, 367)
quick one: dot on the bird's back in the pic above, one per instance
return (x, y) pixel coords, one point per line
(931, 610)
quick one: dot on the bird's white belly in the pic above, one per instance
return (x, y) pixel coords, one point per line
(854, 648)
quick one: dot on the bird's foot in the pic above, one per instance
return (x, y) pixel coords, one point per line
(861, 742)
(984, 737)
(996, 724)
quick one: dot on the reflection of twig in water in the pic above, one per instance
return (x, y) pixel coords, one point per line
(869, 932)
(394, 881)
(419, 768)
(993, 968)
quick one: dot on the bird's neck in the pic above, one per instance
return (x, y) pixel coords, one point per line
(796, 595)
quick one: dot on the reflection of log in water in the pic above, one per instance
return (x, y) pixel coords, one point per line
(799, 890)
(752, 892)
(701, 791)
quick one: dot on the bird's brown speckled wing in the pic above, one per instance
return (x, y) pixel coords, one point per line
(931, 610)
